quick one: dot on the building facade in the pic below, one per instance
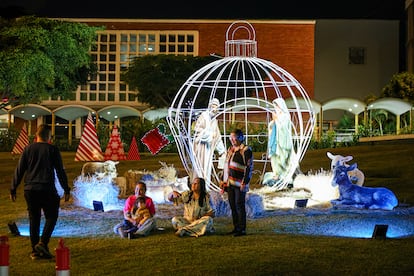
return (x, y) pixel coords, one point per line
(330, 58)
(289, 44)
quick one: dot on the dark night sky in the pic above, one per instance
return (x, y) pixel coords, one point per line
(256, 9)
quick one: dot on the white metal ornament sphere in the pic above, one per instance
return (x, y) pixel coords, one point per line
(245, 87)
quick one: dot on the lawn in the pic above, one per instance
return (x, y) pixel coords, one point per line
(272, 246)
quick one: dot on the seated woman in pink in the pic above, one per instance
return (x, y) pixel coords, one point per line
(129, 221)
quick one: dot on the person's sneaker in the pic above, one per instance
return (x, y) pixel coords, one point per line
(122, 233)
(180, 233)
(43, 251)
(35, 256)
(232, 232)
(240, 233)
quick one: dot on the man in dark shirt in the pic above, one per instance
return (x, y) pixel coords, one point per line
(37, 165)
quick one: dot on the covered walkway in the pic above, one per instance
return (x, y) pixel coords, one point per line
(113, 114)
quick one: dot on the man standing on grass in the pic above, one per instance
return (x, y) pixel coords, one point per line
(237, 174)
(37, 165)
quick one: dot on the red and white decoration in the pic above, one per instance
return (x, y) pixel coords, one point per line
(115, 150)
(133, 153)
(21, 142)
(4, 255)
(62, 259)
(155, 140)
(89, 148)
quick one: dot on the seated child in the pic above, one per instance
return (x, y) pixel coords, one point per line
(140, 213)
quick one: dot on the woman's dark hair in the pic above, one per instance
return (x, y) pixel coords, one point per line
(143, 184)
(203, 192)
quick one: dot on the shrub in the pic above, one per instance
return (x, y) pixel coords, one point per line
(8, 138)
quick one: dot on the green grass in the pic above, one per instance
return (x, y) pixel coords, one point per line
(261, 252)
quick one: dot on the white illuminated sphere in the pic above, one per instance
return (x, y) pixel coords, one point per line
(245, 86)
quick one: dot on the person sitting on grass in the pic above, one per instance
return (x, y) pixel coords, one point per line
(140, 213)
(198, 215)
(129, 222)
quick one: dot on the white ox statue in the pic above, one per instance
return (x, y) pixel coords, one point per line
(107, 169)
(159, 183)
(99, 169)
(356, 176)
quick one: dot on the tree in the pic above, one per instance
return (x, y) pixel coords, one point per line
(43, 58)
(400, 86)
(380, 116)
(159, 77)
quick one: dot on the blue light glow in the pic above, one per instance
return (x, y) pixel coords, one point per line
(304, 221)
(104, 190)
(352, 225)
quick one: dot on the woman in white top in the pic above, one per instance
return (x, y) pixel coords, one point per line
(197, 219)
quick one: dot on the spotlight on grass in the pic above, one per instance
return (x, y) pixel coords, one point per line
(97, 205)
(301, 203)
(14, 230)
(380, 231)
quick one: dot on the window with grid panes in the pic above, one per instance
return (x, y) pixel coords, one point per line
(115, 50)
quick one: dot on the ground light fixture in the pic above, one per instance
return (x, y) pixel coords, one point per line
(98, 206)
(301, 203)
(14, 230)
(380, 231)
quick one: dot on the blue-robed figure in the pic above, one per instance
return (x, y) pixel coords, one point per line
(279, 139)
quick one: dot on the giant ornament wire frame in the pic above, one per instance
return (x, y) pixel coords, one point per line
(242, 91)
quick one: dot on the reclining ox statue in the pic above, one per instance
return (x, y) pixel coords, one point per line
(356, 175)
(107, 169)
(358, 196)
(99, 169)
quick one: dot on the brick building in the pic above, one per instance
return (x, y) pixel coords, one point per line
(288, 44)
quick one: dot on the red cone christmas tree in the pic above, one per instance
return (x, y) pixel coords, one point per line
(21, 142)
(115, 150)
(89, 148)
(133, 153)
